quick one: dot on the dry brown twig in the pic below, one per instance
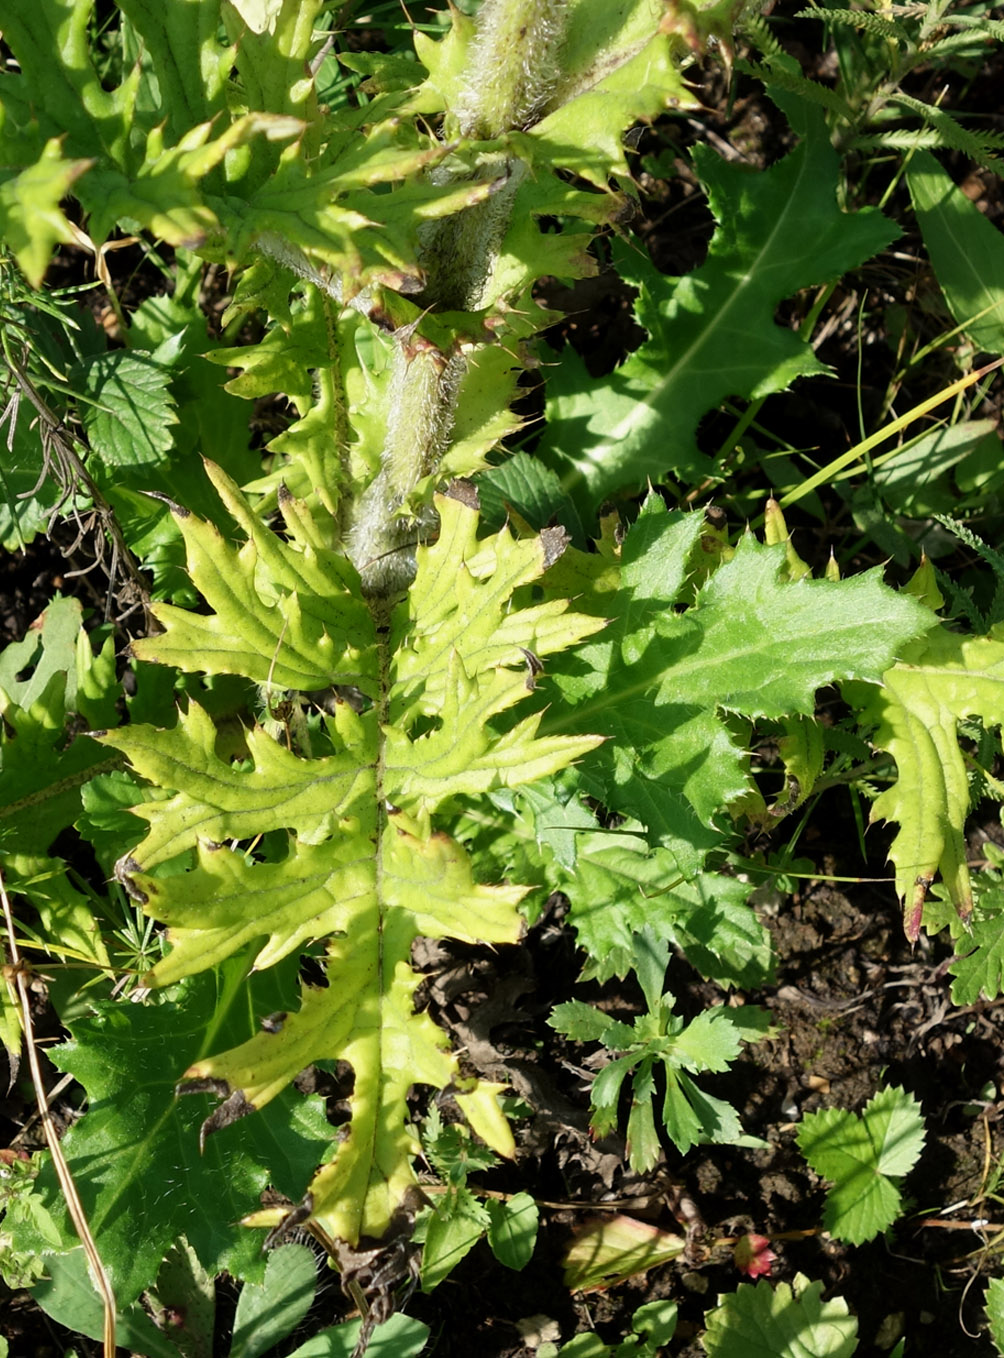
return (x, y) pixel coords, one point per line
(16, 972)
(60, 459)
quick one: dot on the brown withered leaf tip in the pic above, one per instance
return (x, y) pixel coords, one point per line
(465, 491)
(534, 666)
(179, 511)
(554, 541)
(124, 870)
(230, 1111)
(296, 1216)
(205, 1084)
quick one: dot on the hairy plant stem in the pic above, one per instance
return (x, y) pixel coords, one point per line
(513, 66)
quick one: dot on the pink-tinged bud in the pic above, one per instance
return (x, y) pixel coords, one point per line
(754, 1256)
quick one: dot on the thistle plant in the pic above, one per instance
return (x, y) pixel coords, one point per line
(384, 695)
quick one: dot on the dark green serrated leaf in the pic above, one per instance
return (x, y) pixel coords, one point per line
(712, 334)
(658, 681)
(146, 1184)
(865, 1158)
(129, 408)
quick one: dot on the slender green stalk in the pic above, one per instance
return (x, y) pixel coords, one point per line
(512, 70)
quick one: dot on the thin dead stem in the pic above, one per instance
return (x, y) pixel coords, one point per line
(17, 972)
(61, 460)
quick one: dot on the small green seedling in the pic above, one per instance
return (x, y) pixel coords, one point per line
(661, 1040)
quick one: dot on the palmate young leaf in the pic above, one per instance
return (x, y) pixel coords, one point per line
(657, 681)
(712, 334)
(364, 870)
(452, 1150)
(690, 1116)
(786, 1321)
(865, 1157)
(939, 681)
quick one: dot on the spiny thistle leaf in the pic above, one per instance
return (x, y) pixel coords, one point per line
(712, 333)
(284, 612)
(363, 870)
(45, 764)
(31, 219)
(658, 680)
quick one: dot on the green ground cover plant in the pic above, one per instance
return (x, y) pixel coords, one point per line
(463, 627)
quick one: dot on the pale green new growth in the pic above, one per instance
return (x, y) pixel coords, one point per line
(940, 680)
(780, 1322)
(995, 1311)
(660, 1038)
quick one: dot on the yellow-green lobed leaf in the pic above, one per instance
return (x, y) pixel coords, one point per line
(941, 680)
(366, 870)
